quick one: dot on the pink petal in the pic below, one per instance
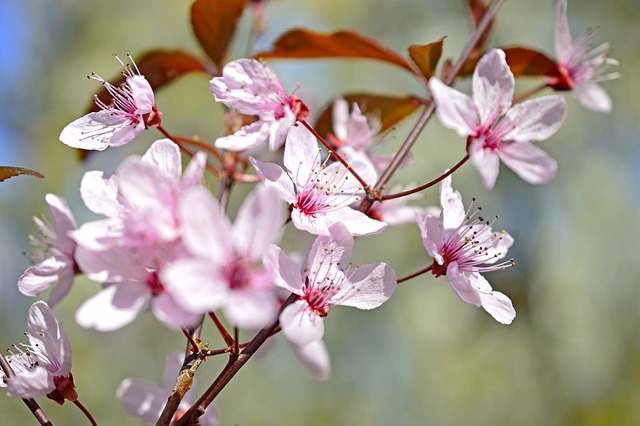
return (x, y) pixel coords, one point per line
(300, 325)
(495, 303)
(143, 400)
(340, 118)
(369, 286)
(486, 162)
(64, 222)
(171, 314)
(192, 175)
(433, 236)
(493, 86)
(65, 283)
(250, 308)
(40, 277)
(259, 223)
(45, 332)
(142, 94)
(453, 211)
(99, 191)
(31, 384)
(592, 96)
(331, 251)
(195, 285)
(164, 156)
(529, 162)
(280, 128)
(358, 223)
(275, 177)
(300, 153)
(286, 269)
(461, 284)
(314, 358)
(455, 110)
(113, 307)
(563, 35)
(205, 227)
(95, 131)
(246, 137)
(533, 120)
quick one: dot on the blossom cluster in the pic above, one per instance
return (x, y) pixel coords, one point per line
(166, 244)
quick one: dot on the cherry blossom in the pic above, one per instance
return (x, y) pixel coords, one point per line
(147, 400)
(463, 247)
(140, 200)
(221, 274)
(251, 88)
(319, 193)
(52, 254)
(328, 280)
(581, 67)
(131, 278)
(131, 111)
(42, 367)
(496, 130)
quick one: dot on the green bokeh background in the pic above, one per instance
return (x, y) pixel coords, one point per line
(570, 358)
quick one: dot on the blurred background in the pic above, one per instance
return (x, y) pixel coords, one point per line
(572, 355)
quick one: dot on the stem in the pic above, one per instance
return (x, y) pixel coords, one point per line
(528, 93)
(338, 157)
(415, 274)
(202, 145)
(213, 169)
(86, 412)
(223, 331)
(194, 345)
(230, 370)
(29, 402)
(428, 111)
(426, 185)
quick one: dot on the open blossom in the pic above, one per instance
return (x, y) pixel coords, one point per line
(328, 280)
(463, 247)
(251, 88)
(42, 367)
(147, 400)
(131, 111)
(140, 200)
(319, 193)
(222, 272)
(52, 253)
(496, 130)
(580, 66)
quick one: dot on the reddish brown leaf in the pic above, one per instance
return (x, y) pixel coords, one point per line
(306, 44)
(7, 172)
(391, 109)
(528, 62)
(214, 23)
(426, 57)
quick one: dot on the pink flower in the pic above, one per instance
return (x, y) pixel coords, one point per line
(319, 193)
(43, 367)
(131, 278)
(327, 281)
(496, 130)
(146, 400)
(251, 88)
(52, 254)
(140, 200)
(463, 247)
(221, 274)
(580, 67)
(131, 111)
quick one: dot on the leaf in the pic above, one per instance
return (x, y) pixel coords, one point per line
(391, 109)
(7, 172)
(301, 43)
(426, 56)
(214, 23)
(528, 62)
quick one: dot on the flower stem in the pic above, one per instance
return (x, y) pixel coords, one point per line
(431, 107)
(223, 331)
(528, 93)
(338, 157)
(233, 366)
(415, 274)
(426, 185)
(86, 412)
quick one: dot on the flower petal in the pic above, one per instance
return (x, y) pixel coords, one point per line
(95, 131)
(529, 162)
(141, 399)
(246, 137)
(563, 35)
(113, 307)
(286, 269)
(455, 110)
(461, 284)
(486, 162)
(592, 96)
(300, 325)
(495, 303)
(314, 358)
(533, 120)
(275, 177)
(369, 286)
(493, 86)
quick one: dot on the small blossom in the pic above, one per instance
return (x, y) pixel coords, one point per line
(147, 400)
(222, 272)
(131, 111)
(328, 280)
(43, 367)
(52, 254)
(463, 247)
(496, 130)
(581, 67)
(251, 88)
(319, 193)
